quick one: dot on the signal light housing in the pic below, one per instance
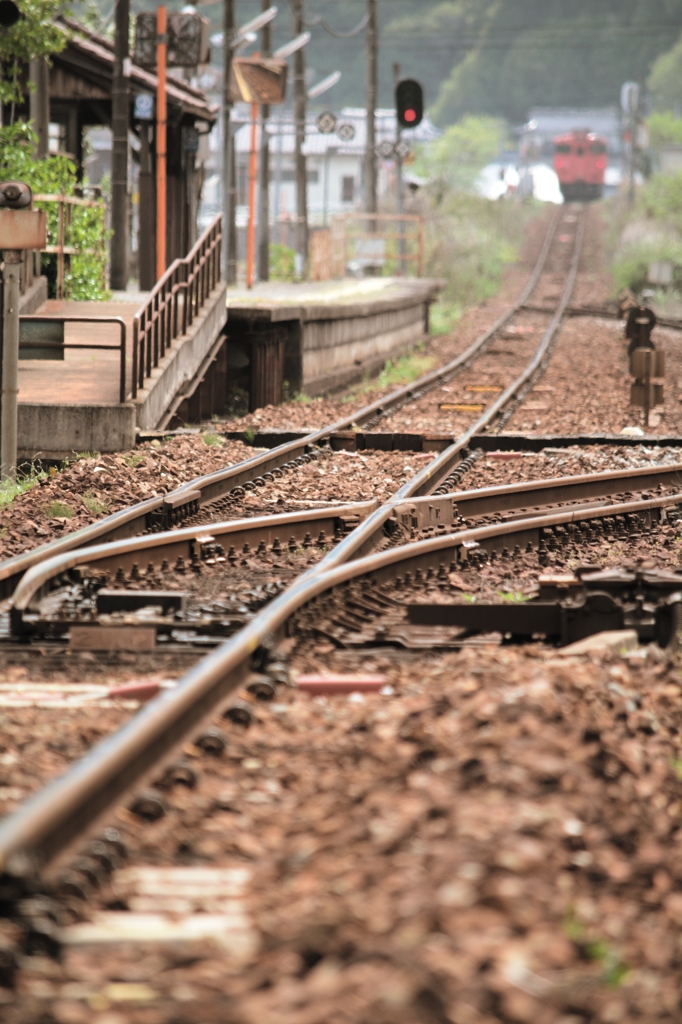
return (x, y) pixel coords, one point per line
(409, 103)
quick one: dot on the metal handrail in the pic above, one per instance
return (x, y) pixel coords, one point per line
(164, 316)
(121, 347)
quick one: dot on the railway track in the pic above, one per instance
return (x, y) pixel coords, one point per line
(357, 578)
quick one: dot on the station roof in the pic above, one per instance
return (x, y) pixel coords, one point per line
(90, 56)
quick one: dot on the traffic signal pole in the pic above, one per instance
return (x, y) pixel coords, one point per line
(370, 153)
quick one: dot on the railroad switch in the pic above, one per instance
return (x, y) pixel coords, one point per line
(571, 607)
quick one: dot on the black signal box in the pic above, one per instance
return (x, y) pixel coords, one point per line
(409, 102)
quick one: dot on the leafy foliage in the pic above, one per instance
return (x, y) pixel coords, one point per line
(455, 160)
(86, 278)
(664, 127)
(469, 240)
(665, 80)
(281, 263)
(35, 35)
(508, 55)
(653, 231)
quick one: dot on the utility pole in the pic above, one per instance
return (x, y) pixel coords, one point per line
(161, 138)
(301, 171)
(39, 74)
(263, 262)
(119, 153)
(399, 174)
(370, 155)
(229, 251)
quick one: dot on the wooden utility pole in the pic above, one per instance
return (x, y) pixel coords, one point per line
(229, 251)
(161, 135)
(300, 161)
(39, 74)
(119, 153)
(264, 180)
(370, 155)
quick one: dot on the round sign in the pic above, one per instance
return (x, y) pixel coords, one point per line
(346, 132)
(403, 149)
(326, 122)
(385, 149)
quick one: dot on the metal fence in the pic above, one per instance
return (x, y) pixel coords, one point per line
(380, 243)
(65, 205)
(174, 301)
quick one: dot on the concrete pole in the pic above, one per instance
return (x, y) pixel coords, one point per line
(119, 153)
(39, 74)
(300, 161)
(229, 248)
(10, 364)
(263, 262)
(370, 154)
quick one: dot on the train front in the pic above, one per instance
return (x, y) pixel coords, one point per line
(580, 163)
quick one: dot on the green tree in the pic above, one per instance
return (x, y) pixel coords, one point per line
(665, 80)
(454, 161)
(36, 34)
(86, 277)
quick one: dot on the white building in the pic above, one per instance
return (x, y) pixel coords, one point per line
(335, 163)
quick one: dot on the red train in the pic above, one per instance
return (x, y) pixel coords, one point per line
(580, 162)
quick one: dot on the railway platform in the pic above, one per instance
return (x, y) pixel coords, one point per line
(120, 365)
(319, 337)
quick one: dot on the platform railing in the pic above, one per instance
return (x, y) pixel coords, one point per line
(174, 301)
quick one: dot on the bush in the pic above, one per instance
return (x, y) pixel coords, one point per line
(281, 263)
(86, 278)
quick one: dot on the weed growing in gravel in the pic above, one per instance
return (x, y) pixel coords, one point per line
(443, 317)
(9, 489)
(210, 439)
(86, 455)
(134, 460)
(250, 435)
(396, 372)
(94, 505)
(58, 510)
(513, 596)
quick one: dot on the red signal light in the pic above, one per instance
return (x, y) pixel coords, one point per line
(409, 102)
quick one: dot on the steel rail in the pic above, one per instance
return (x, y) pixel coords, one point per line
(134, 520)
(49, 821)
(478, 502)
(181, 543)
(363, 538)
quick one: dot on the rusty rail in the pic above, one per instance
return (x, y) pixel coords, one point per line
(137, 518)
(175, 300)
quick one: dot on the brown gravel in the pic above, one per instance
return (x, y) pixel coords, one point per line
(94, 486)
(574, 461)
(496, 842)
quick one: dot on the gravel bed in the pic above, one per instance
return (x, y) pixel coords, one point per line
(37, 744)
(497, 840)
(335, 477)
(491, 471)
(94, 486)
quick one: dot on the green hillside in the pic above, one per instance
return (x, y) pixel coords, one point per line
(496, 57)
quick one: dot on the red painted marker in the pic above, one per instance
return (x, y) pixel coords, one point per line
(331, 684)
